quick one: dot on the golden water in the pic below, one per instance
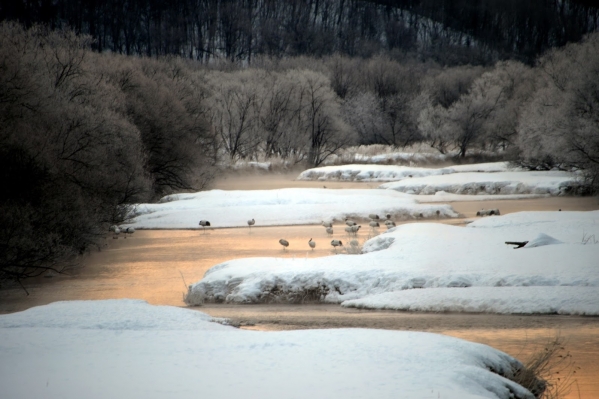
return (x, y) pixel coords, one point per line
(158, 265)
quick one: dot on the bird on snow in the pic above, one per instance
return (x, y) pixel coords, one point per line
(390, 224)
(204, 223)
(336, 243)
(284, 243)
(251, 223)
(312, 244)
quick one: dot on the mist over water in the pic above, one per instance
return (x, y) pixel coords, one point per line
(157, 266)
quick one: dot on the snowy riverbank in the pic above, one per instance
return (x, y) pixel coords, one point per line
(127, 349)
(434, 258)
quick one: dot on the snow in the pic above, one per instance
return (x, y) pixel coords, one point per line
(379, 173)
(506, 300)
(445, 197)
(290, 206)
(538, 182)
(494, 178)
(128, 349)
(395, 157)
(435, 267)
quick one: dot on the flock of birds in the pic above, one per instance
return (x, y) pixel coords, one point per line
(351, 229)
(116, 230)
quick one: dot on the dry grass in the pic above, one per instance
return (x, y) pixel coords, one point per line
(550, 372)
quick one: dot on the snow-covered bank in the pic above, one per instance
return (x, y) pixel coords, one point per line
(389, 157)
(433, 256)
(290, 206)
(444, 197)
(508, 300)
(380, 173)
(546, 182)
(125, 349)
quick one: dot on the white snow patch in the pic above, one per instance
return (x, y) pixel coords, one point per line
(540, 240)
(544, 182)
(58, 352)
(512, 300)
(428, 256)
(379, 173)
(290, 206)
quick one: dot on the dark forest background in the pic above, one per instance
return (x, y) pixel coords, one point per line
(451, 32)
(104, 104)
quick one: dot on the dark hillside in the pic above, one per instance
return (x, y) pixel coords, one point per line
(451, 32)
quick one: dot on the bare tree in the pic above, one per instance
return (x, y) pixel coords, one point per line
(235, 112)
(363, 113)
(558, 127)
(69, 158)
(321, 122)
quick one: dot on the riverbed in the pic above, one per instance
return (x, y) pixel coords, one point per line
(157, 266)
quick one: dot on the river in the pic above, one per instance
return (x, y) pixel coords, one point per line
(157, 266)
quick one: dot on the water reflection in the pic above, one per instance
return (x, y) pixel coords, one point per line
(158, 265)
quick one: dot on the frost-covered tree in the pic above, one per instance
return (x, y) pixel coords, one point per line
(319, 119)
(364, 114)
(69, 158)
(235, 112)
(560, 125)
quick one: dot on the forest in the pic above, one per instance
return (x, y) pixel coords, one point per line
(449, 32)
(101, 107)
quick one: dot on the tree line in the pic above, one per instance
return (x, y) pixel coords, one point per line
(85, 134)
(450, 32)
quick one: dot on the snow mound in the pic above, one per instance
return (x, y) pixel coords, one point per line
(542, 239)
(291, 206)
(111, 314)
(424, 255)
(378, 243)
(504, 300)
(380, 173)
(366, 173)
(189, 362)
(445, 197)
(387, 158)
(503, 183)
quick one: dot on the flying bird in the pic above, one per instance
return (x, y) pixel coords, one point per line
(312, 244)
(284, 243)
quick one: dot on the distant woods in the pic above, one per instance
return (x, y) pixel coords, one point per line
(449, 32)
(84, 134)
